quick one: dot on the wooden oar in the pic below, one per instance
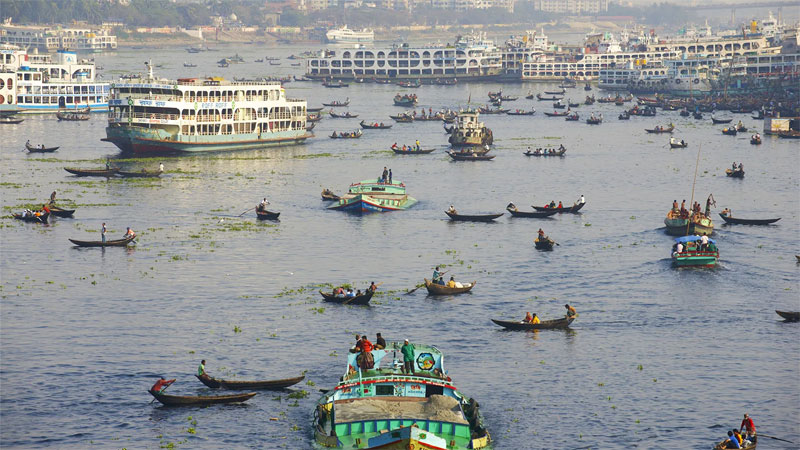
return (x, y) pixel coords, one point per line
(415, 289)
(240, 215)
(776, 438)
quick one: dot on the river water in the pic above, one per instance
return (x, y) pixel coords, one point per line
(658, 357)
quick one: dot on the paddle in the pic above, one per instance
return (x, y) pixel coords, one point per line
(240, 215)
(165, 388)
(773, 437)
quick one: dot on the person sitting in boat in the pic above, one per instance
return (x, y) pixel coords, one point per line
(560, 206)
(201, 370)
(263, 205)
(741, 166)
(570, 311)
(726, 212)
(733, 166)
(675, 206)
(678, 249)
(452, 210)
(437, 276)
(350, 293)
(511, 207)
(731, 442)
(452, 282)
(552, 204)
(528, 318)
(541, 235)
(535, 320)
(161, 384)
(394, 146)
(358, 293)
(582, 200)
(380, 342)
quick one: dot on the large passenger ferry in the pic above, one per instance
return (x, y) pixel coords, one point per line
(150, 115)
(472, 57)
(344, 35)
(43, 83)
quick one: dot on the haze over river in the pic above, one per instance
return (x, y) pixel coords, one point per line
(658, 357)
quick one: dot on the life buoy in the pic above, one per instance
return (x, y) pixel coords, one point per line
(696, 81)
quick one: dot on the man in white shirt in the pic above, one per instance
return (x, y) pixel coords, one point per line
(703, 242)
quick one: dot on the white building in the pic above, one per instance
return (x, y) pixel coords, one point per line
(572, 6)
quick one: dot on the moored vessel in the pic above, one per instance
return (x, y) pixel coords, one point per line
(159, 116)
(469, 131)
(378, 405)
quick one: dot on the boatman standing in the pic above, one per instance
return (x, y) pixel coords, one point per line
(103, 233)
(53, 198)
(408, 357)
(749, 426)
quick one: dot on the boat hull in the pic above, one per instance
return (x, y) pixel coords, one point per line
(695, 259)
(365, 204)
(543, 325)
(678, 227)
(155, 141)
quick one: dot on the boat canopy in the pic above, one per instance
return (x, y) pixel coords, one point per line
(685, 239)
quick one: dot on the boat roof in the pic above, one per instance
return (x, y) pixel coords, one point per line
(685, 239)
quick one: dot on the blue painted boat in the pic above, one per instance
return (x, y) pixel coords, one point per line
(377, 405)
(692, 256)
(374, 196)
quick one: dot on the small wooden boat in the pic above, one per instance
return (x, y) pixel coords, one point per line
(545, 153)
(521, 112)
(755, 140)
(790, 134)
(329, 196)
(738, 173)
(422, 151)
(461, 156)
(624, 115)
(41, 218)
(472, 218)
(594, 120)
(553, 98)
(267, 215)
(310, 125)
(142, 174)
(346, 115)
(316, 110)
(71, 116)
(573, 105)
(722, 445)
(355, 135)
(741, 128)
(185, 400)
(659, 130)
(543, 325)
(738, 221)
(789, 316)
(335, 103)
(681, 144)
(10, 120)
(572, 209)
(716, 121)
(93, 172)
(58, 212)
(376, 126)
(559, 105)
(332, 84)
(441, 289)
(362, 299)
(216, 383)
(556, 114)
(530, 214)
(729, 131)
(33, 149)
(313, 117)
(544, 244)
(574, 117)
(559, 92)
(114, 243)
(402, 118)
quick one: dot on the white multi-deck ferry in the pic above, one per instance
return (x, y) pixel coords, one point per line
(344, 35)
(43, 83)
(157, 116)
(473, 57)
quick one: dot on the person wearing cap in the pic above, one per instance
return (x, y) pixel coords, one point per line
(161, 385)
(408, 357)
(750, 427)
(570, 311)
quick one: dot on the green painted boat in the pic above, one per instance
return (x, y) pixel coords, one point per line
(374, 196)
(677, 225)
(377, 405)
(691, 255)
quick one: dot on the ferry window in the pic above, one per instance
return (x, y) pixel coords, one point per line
(383, 389)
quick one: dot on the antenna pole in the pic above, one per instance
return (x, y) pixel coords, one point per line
(689, 223)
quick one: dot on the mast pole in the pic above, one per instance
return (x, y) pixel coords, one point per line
(697, 163)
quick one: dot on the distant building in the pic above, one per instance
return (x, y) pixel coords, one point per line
(572, 6)
(466, 5)
(51, 39)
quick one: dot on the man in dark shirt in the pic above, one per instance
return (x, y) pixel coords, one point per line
(380, 343)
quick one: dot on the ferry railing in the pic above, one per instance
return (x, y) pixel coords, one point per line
(136, 115)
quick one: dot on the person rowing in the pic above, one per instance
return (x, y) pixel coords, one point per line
(161, 385)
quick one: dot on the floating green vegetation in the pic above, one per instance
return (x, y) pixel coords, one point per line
(314, 155)
(10, 185)
(302, 393)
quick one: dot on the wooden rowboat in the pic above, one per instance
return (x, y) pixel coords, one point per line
(544, 153)
(544, 244)
(473, 218)
(738, 221)
(185, 400)
(346, 115)
(440, 289)
(329, 196)
(716, 121)
(543, 325)
(33, 149)
(422, 151)
(142, 174)
(93, 172)
(722, 446)
(571, 209)
(59, 212)
(40, 218)
(738, 173)
(678, 144)
(235, 384)
(460, 156)
(532, 214)
(790, 316)
(115, 243)
(660, 130)
(267, 215)
(375, 127)
(10, 120)
(357, 300)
